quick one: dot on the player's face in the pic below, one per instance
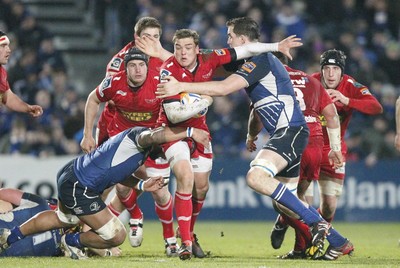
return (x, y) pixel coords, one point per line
(153, 32)
(331, 75)
(137, 72)
(5, 50)
(233, 39)
(185, 51)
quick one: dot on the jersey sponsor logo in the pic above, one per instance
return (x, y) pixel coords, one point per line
(365, 91)
(116, 64)
(248, 67)
(170, 64)
(310, 119)
(104, 85)
(207, 75)
(220, 52)
(150, 100)
(122, 93)
(164, 73)
(78, 210)
(137, 116)
(94, 206)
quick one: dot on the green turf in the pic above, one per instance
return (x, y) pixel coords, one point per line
(241, 244)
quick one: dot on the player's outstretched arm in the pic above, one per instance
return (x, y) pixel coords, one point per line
(152, 47)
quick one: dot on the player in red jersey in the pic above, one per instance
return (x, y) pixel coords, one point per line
(7, 97)
(314, 101)
(145, 27)
(192, 163)
(348, 95)
(132, 92)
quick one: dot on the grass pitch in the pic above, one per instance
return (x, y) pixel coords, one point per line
(241, 244)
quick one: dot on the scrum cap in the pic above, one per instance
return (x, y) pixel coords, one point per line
(135, 54)
(333, 57)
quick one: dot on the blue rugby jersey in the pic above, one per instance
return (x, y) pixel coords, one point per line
(42, 244)
(112, 162)
(271, 92)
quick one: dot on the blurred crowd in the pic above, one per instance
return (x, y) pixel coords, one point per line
(366, 30)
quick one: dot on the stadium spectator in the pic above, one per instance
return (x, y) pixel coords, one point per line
(80, 186)
(280, 156)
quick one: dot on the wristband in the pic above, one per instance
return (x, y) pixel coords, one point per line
(334, 139)
(189, 132)
(251, 138)
(140, 185)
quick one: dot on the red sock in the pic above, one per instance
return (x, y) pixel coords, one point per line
(165, 215)
(183, 211)
(327, 219)
(113, 210)
(301, 229)
(131, 205)
(197, 206)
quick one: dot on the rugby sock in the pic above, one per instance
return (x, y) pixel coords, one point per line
(165, 215)
(113, 210)
(197, 206)
(283, 196)
(183, 211)
(15, 235)
(130, 202)
(74, 240)
(303, 235)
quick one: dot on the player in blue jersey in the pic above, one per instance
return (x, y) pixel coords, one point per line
(81, 182)
(16, 207)
(274, 107)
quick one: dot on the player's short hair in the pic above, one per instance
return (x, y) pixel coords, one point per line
(146, 22)
(245, 26)
(135, 54)
(186, 33)
(333, 57)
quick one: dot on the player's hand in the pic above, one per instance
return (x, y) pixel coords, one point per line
(202, 137)
(153, 184)
(251, 145)
(208, 98)
(149, 45)
(337, 96)
(397, 142)
(168, 87)
(88, 144)
(35, 110)
(286, 44)
(335, 159)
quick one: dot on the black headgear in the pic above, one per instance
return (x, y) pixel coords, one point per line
(135, 54)
(333, 57)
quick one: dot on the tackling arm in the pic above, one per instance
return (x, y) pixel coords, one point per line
(92, 107)
(254, 127)
(229, 85)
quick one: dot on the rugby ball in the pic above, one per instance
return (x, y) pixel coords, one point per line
(189, 98)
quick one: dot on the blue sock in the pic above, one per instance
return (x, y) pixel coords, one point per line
(335, 239)
(15, 235)
(313, 210)
(283, 196)
(73, 240)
